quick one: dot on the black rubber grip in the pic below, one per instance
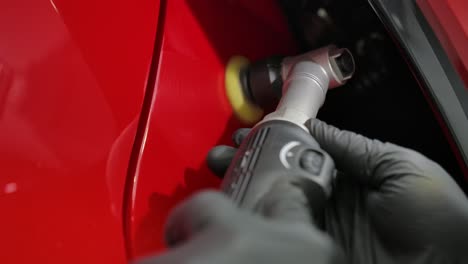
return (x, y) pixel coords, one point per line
(274, 150)
(263, 82)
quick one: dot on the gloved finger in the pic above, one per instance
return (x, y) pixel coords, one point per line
(173, 256)
(198, 248)
(352, 153)
(239, 136)
(200, 212)
(285, 201)
(219, 158)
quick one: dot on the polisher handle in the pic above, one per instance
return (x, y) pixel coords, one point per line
(276, 150)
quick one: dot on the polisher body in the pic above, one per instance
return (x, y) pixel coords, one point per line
(280, 146)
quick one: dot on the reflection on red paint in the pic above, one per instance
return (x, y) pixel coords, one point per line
(72, 78)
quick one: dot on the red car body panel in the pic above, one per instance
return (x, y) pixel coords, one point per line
(449, 20)
(189, 113)
(107, 111)
(72, 79)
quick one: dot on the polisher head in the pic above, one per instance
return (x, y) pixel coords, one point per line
(246, 111)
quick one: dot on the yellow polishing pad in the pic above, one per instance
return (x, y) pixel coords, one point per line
(246, 111)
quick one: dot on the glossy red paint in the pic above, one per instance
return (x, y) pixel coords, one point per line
(449, 19)
(189, 113)
(72, 79)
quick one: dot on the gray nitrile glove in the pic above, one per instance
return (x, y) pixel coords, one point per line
(392, 204)
(389, 204)
(209, 229)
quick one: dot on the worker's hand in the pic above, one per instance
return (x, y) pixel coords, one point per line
(389, 204)
(210, 229)
(392, 204)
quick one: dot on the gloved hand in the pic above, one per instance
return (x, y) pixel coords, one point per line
(209, 229)
(389, 204)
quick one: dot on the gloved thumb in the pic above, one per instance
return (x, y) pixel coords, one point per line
(287, 201)
(352, 153)
(196, 214)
